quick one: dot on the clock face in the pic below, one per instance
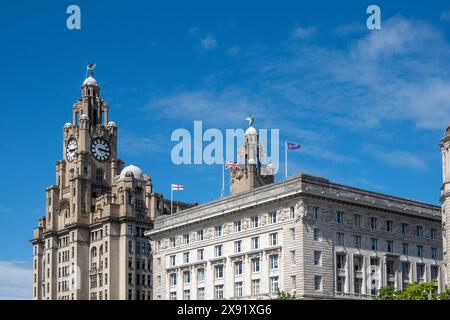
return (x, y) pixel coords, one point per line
(71, 150)
(100, 149)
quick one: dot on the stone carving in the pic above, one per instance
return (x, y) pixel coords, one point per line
(300, 210)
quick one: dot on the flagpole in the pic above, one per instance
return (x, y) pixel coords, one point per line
(223, 179)
(285, 159)
(171, 199)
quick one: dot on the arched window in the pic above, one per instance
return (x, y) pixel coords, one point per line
(94, 258)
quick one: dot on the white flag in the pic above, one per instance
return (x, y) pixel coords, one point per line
(177, 187)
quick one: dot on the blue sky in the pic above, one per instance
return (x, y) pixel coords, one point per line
(368, 107)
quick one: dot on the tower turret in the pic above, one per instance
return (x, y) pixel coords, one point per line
(254, 171)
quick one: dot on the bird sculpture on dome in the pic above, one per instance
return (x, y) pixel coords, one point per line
(250, 120)
(90, 68)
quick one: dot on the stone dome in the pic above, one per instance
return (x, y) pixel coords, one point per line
(112, 124)
(251, 131)
(68, 124)
(131, 171)
(84, 117)
(90, 82)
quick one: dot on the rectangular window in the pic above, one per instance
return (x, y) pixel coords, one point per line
(273, 284)
(357, 242)
(173, 296)
(256, 287)
(357, 220)
(186, 257)
(420, 271)
(293, 282)
(172, 260)
(434, 253)
(390, 268)
(389, 226)
(317, 258)
(340, 261)
(238, 269)
(339, 238)
(316, 213)
(292, 233)
(186, 277)
(255, 243)
(218, 231)
(419, 251)
(273, 262)
(340, 283)
(187, 295)
(405, 228)
(218, 271)
(200, 256)
(318, 283)
(237, 246)
(173, 279)
(406, 266)
(201, 293)
(200, 235)
(218, 292)
(419, 231)
(273, 217)
(201, 275)
(339, 217)
(186, 238)
(293, 258)
(255, 222)
(434, 270)
(273, 239)
(358, 263)
(405, 248)
(237, 226)
(390, 246)
(130, 229)
(433, 234)
(374, 243)
(374, 223)
(238, 289)
(357, 285)
(172, 242)
(255, 265)
(316, 234)
(218, 250)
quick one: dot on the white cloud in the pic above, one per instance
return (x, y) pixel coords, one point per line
(15, 280)
(445, 16)
(304, 32)
(395, 157)
(232, 51)
(133, 145)
(208, 42)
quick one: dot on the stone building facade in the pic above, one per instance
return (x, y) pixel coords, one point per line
(305, 235)
(90, 244)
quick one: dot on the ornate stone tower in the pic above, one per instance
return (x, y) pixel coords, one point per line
(253, 171)
(445, 200)
(90, 244)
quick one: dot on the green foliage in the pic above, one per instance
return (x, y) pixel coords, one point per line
(414, 291)
(281, 295)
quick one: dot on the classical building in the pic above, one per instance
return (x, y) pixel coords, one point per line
(90, 244)
(445, 200)
(304, 235)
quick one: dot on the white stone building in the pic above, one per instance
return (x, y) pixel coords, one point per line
(305, 235)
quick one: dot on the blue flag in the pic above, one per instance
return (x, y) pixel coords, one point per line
(293, 146)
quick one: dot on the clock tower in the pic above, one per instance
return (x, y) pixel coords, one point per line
(90, 243)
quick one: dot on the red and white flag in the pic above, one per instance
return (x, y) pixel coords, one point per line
(233, 165)
(177, 187)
